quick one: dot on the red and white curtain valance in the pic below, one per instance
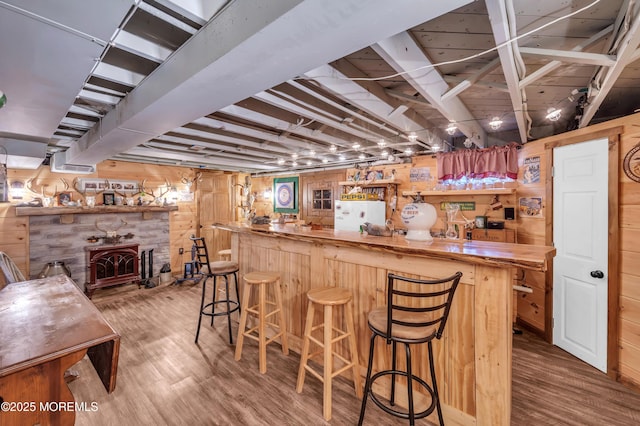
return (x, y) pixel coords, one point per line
(496, 161)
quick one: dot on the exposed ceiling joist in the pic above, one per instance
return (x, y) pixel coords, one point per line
(498, 17)
(598, 59)
(625, 52)
(271, 33)
(405, 56)
(341, 85)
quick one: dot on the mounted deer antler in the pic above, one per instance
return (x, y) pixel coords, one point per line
(29, 185)
(110, 232)
(185, 180)
(144, 190)
(83, 192)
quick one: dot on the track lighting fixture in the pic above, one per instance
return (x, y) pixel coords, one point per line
(356, 146)
(280, 161)
(361, 156)
(333, 148)
(382, 143)
(412, 137)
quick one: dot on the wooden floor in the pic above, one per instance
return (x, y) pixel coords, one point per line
(165, 379)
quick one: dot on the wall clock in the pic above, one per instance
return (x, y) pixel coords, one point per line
(631, 163)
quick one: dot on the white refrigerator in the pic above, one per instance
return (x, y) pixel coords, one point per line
(349, 215)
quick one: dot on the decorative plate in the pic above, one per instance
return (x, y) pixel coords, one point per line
(631, 164)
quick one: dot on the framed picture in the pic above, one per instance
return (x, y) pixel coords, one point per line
(285, 192)
(107, 199)
(64, 198)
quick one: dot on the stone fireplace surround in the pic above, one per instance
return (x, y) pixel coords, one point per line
(51, 238)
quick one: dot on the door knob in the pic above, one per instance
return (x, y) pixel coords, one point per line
(597, 274)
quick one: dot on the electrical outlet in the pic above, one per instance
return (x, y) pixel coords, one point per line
(180, 250)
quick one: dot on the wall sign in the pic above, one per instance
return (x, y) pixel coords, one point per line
(631, 164)
(531, 172)
(464, 205)
(530, 206)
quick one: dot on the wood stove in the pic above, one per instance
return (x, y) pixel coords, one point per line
(111, 265)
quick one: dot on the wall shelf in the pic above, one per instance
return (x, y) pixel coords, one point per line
(370, 183)
(490, 191)
(44, 211)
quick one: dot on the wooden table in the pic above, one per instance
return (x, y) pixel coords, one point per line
(473, 359)
(46, 326)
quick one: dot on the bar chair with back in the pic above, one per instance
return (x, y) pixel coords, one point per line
(222, 268)
(416, 313)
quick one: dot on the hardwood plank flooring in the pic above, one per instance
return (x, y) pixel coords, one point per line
(166, 379)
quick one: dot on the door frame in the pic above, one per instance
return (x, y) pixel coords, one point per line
(613, 282)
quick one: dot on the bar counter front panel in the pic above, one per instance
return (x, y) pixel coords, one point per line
(473, 359)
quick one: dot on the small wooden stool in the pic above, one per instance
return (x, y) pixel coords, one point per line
(329, 297)
(224, 254)
(262, 279)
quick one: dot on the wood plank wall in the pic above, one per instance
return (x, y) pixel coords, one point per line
(628, 253)
(14, 238)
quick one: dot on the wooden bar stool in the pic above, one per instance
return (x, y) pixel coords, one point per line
(262, 279)
(224, 254)
(328, 297)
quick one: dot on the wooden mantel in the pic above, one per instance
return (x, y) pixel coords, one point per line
(44, 211)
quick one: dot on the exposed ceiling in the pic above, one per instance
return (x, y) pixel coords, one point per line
(246, 85)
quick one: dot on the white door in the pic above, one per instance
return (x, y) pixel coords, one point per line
(580, 224)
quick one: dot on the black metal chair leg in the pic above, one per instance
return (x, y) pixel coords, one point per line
(412, 412)
(235, 279)
(204, 287)
(226, 284)
(434, 385)
(392, 398)
(367, 382)
(213, 299)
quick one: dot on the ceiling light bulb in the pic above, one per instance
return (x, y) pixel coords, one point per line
(312, 153)
(412, 137)
(382, 143)
(325, 160)
(294, 164)
(451, 128)
(408, 151)
(435, 147)
(495, 123)
(309, 162)
(468, 143)
(294, 155)
(361, 156)
(280, 161)
(333, 148)
(391, 158)
(342, 157)
(355, 146)
(553, 114)
(384, 153)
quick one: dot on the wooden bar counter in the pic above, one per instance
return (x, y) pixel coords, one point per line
(473, 359)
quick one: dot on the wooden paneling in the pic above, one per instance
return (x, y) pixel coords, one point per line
(472, 360)
(14, 230)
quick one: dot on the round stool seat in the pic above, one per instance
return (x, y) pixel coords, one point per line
(329, 295)
(261, 277)
(221, 267)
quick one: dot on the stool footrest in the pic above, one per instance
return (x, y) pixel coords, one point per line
(234, 307)
(397, 413)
